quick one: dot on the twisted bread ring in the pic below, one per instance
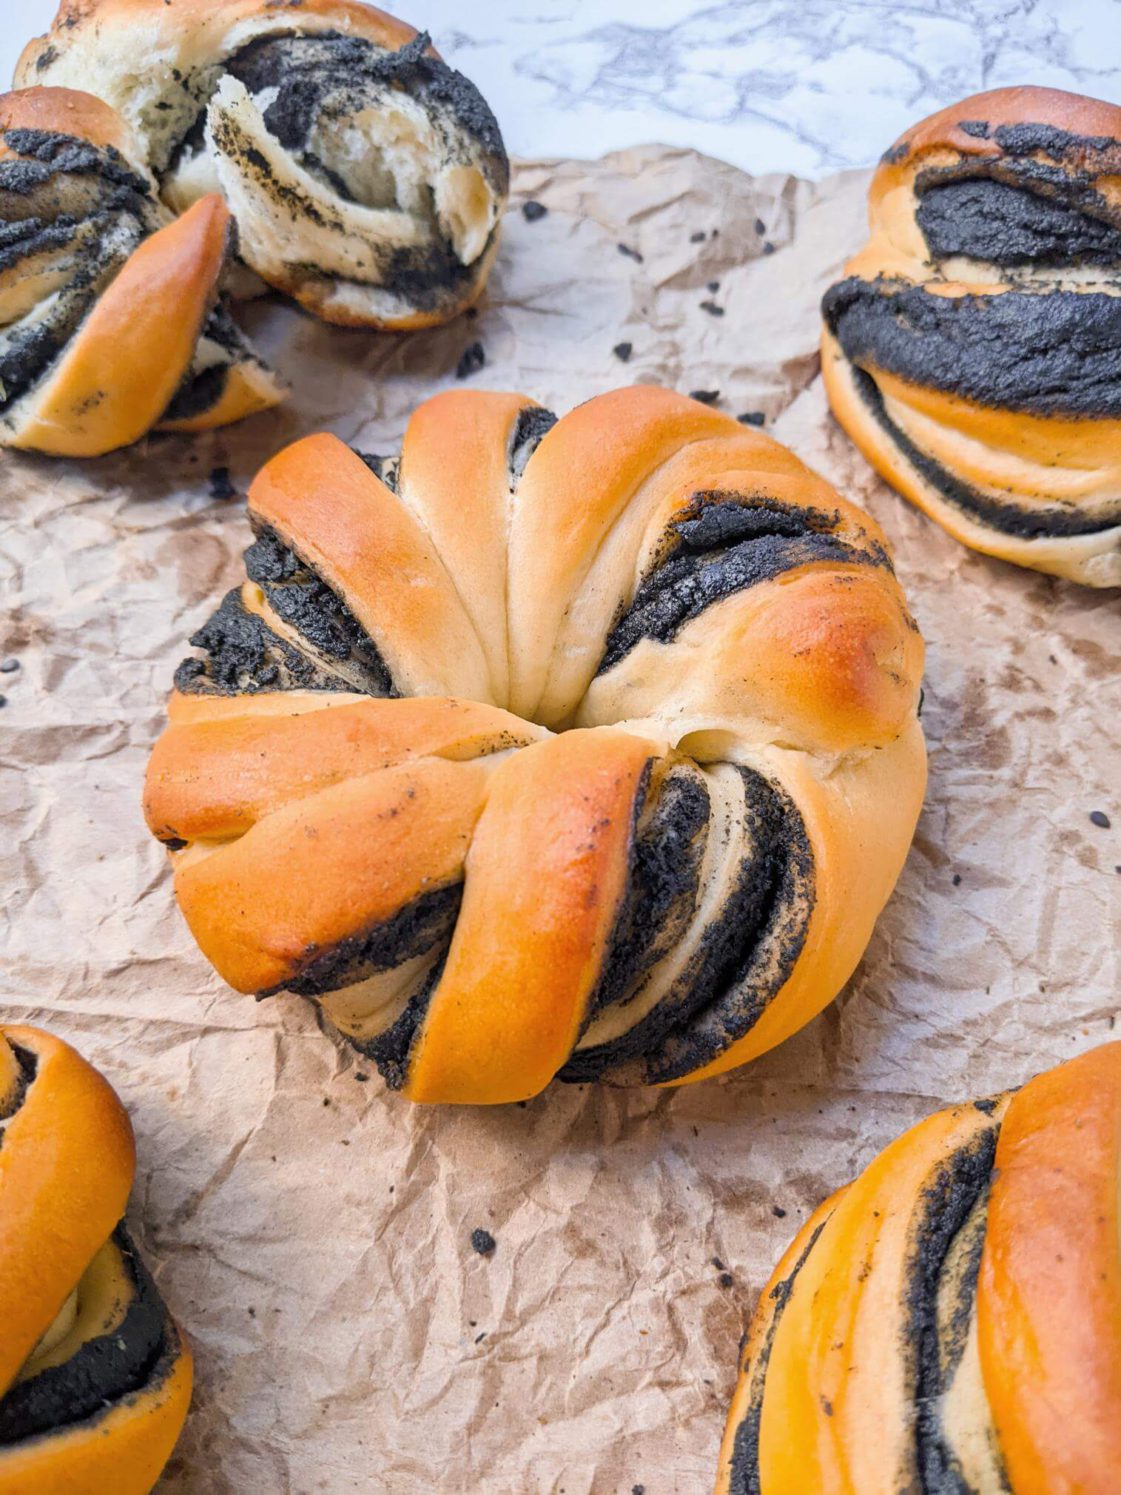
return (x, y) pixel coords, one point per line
(367, 177)
(973, 350)
(951, 1321)
(583, 746)
(94, 1377)
(110, 317)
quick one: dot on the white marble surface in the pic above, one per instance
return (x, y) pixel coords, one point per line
(807, 86)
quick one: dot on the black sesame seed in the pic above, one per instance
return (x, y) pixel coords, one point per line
(699, 237)
(956, 879)
(9, 666)
(760, 227)
(778, 1212)
(532, 211)
(705, 396)
(713, 285)
(751, 418)
(473, 359)
(623, 351)
(220, 485)
(1100, 819)
(727, 1280)
(768, 247)
(483, 1242)
(631, 254)
(712, 308)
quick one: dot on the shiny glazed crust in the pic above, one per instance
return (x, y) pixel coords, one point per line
(126, 294)
(449, 767)
(314, 222)
(952, 1320)
(971, 350)
(66, 1167)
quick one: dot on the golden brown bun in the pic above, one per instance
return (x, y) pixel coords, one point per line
(971, 351)
(370, 187)
(127, 298)
(94, 1378)
(583, 746)
(951, 1320)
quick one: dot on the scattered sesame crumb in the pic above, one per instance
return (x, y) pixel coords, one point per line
(220, 485)
(473, 359)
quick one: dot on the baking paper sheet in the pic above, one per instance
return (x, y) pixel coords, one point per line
(311, 1231)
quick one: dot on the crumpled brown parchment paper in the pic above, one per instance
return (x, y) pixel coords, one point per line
(311, 1231)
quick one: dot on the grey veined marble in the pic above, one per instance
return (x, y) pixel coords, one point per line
(805, 86)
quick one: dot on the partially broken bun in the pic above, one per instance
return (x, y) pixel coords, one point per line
(367, 177)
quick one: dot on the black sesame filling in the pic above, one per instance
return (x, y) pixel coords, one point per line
(723, 544)
(392, 1050)
(1012, 226)
(530, 429)
(28, 1064)
(665, 865)
(414, 930)
(386, 469)
(299, 596)
(1052, 354)
(43, 156)
(244, 655)
(946, 1204)
(330, 75)
(745, 955)
(101, 1372)
(63, 195)
(1007, 517)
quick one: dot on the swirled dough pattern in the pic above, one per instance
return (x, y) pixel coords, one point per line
(584, 746)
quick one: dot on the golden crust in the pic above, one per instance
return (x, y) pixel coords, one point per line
(1019, 1383)
(1072, 112)
(69, 112)
(121, 369)
(1049, 1293)
(489, 566)
(205, 22)
(66, 1168)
